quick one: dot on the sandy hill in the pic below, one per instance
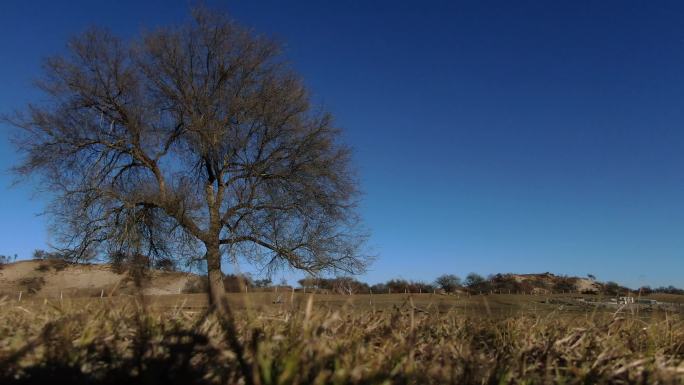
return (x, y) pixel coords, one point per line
(554, 282)
(51, 278)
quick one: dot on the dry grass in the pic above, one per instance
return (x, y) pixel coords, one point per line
(314, 343)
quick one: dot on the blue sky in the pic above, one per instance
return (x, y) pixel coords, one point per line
(490, 136)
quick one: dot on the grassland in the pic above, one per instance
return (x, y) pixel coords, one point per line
(329, 339)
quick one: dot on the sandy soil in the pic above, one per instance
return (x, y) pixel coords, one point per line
(581, 284)
(82, 279)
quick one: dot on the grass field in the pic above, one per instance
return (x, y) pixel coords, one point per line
(332, 339)
(279, 301)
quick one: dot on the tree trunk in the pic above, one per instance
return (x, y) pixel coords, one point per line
(214, 274)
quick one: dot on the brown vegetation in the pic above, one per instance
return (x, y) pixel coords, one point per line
(315, 344)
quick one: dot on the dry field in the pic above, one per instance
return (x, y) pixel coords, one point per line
(302, 339)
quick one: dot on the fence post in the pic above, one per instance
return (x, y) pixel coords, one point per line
(20, 296)
(102, 294)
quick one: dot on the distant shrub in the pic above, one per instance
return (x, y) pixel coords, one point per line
(397, 285)
(448, 282)
(645, 290)
(263, 283)
(564, 284)
(503, 283)
(43, 267)
(473, 280)
(5, 259)
(52, 264)
(379, 288)
(196, 285)
(235, 283)
(669, 290)
(32, 284)
(48, 255)
(404, 286)
(339, 285)
(611, 288)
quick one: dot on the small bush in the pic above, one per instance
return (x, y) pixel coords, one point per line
(196, 285)
(564, 284)
(5, 259)
(235, 283)
(52, 264)
(32, 284)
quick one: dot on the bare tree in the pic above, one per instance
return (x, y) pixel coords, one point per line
(474, 279)
(448, 282)
(194, 141)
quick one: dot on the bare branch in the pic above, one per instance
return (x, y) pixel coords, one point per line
(191, 135)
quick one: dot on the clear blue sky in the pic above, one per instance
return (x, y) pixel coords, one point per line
(505, 136)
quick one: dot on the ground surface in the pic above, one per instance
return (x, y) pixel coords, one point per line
(52, 279)
(285, 337)
(281, 338)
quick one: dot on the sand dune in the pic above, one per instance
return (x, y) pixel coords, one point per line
(52, 279)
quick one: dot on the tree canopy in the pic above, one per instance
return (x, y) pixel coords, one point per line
(448, 282)
(190, 142)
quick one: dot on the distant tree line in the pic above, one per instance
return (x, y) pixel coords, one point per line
(646, 290)
(447, 283)
(477, 284)
(473, 283)
(338, 285)
(5, 259)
